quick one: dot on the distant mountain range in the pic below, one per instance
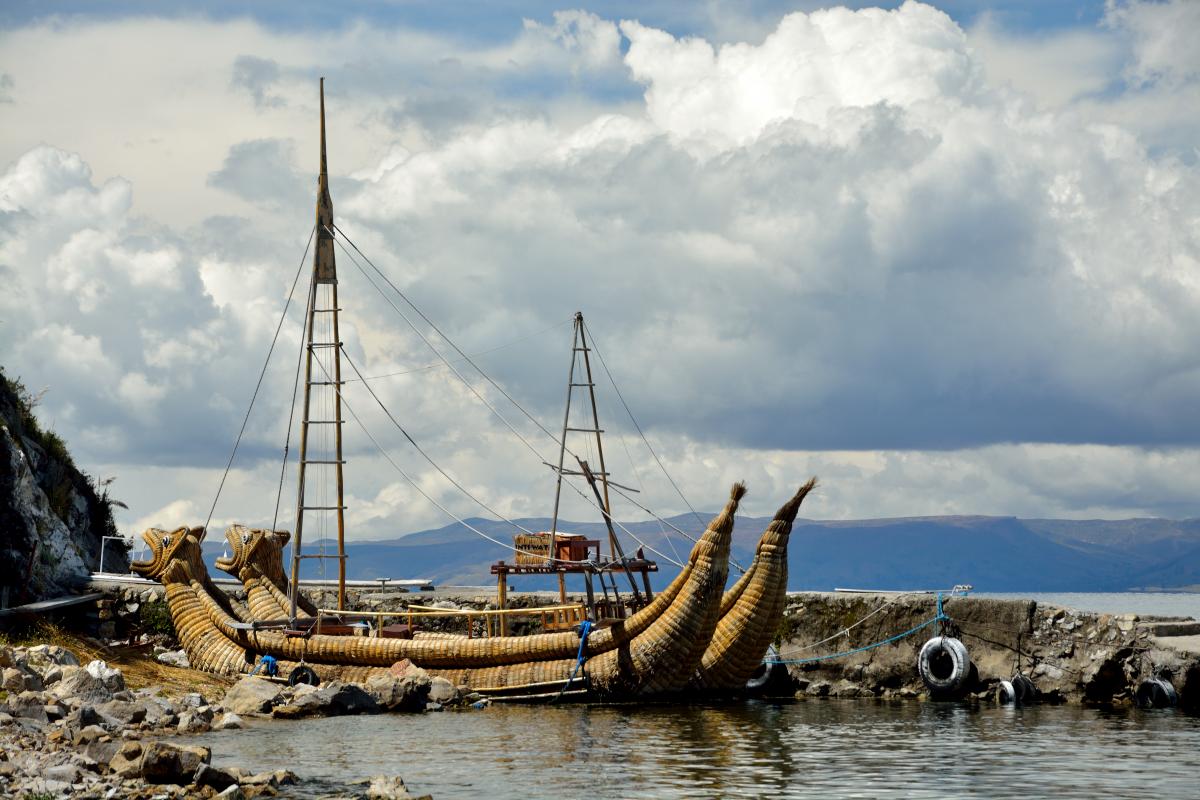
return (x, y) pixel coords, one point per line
(994, 554)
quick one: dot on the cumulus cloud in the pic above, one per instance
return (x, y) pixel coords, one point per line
(855, 246)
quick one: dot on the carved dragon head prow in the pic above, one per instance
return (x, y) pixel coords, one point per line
(257, 548)
(168, 547)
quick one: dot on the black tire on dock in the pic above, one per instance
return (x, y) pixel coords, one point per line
(944, 665)
(1007, 695)
(1156, 693)
(303, 674)
(768, 672)
(1026, 692)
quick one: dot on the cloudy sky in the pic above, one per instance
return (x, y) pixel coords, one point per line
(945, 257)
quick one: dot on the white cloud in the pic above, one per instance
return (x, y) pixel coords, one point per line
(854, 247)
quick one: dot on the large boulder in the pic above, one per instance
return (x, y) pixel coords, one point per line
(111, 677)
(44, 656)
(409, 693)
(29, 705)
(172, 763)
(330, 700)
(123, 711)
(127, 762)
(442, 691)
(251, 696)
(96, 683)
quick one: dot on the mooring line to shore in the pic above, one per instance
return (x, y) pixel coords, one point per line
(938, 618)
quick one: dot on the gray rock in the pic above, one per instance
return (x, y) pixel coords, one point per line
(44, 656)
(191, 722)
(89, 734)
(78, 683)
(228, 721)
(818, 689)
(192, 700)
(329, 700)
(111, 677)
(67, 773)
(175, 658)
(232, 793)
(214, 777)
(409, 693)
(442, 691)
(12, 680)
(52, 675)
(127, 761)
(29, 706)
(388, 787)
(252, 695)
(170, 763)
(123, 711)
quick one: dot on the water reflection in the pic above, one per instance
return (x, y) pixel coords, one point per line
(824, 748)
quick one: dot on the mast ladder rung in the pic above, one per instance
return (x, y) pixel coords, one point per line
(583, 349)
(318, 555)
(324, 422)
(587, 430)
(323, 508)
(325, 310)
(320, 461)
(583, 384)
(326, 383)
(313, 345)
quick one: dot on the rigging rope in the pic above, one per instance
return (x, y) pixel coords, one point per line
(489, 351)
(312, 288)
(412, 482)
(261, 375)
(938, 618)
(476, 392)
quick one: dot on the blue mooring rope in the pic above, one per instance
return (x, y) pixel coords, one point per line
(585, 628)
(888, 640)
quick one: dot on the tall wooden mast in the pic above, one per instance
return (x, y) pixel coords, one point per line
(322, 300)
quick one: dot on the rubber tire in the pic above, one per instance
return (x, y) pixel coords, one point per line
(1007, 696)
(303, 674)
(1026, 691)
(766, 671)
(1156, 693)
(944, 647)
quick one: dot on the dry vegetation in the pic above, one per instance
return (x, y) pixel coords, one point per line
(140, 669)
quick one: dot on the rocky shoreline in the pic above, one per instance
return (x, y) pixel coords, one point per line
(76, 730)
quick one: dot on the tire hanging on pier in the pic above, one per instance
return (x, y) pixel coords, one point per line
(769, 670)
(1156, 693)
(1019, 691)
(944, 665)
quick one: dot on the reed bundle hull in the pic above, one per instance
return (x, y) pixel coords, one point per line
(752, 609)
(656, 650)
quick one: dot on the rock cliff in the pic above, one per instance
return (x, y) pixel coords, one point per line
(52, 518)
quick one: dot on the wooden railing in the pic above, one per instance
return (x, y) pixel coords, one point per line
(495, 621)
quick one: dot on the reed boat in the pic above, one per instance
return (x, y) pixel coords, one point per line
(655, 651)
(691, 634)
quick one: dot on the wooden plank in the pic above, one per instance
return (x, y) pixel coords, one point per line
(42, 606)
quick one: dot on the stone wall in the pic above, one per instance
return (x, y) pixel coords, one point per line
(1071, 656)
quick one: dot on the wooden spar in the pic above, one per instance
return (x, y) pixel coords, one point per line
(587, 366)
(612, 536)
(324, 271)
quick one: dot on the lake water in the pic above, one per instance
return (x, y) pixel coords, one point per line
(1166, 604)
(814, 748)
(750, 749)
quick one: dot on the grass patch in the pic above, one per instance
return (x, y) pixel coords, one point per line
(141, 670)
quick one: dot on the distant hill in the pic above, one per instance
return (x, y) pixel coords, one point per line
(995, 554)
